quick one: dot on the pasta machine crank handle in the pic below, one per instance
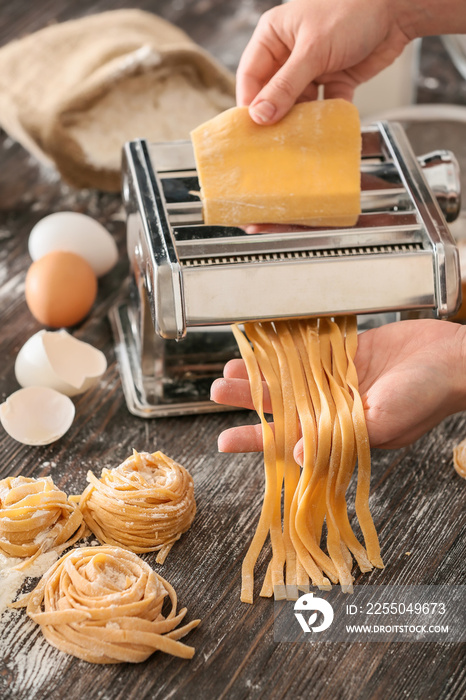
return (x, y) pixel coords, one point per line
(442, 172)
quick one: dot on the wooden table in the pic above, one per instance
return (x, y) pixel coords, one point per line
(417, 498)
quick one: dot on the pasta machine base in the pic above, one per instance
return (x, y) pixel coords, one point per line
(189, 280)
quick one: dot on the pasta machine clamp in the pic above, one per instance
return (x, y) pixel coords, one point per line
(189, 281)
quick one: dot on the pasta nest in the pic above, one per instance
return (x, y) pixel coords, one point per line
(145, 504)
(36, 517)
(104, 605)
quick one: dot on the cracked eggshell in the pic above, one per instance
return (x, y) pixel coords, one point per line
(59, 361)
(37, 415)
(75, 233)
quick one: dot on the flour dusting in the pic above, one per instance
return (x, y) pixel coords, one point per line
(30, 660)
(25, 653)
(11, 580)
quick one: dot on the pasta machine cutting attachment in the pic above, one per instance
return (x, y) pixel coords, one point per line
(189, 280)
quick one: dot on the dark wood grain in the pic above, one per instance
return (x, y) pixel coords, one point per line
(417, 498)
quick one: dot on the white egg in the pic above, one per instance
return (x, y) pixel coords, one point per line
(59, 361)
(37, 415)
(76, 233)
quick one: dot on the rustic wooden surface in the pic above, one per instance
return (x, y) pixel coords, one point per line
(417, 498)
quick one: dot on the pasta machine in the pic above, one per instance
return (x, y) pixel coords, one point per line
(189, 280)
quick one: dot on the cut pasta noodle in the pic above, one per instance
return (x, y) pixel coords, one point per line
(36, 517)
(104, 605)
(309, 371)
(145, 504)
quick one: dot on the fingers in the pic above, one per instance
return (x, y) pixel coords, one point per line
(284, 89)
(235, 369)
(339, 88)
(236, 389)
(237, 392)
(232, 392)
(247, 87)
(300, 45)
(273, 228)
(249, 81)
(247, 438)
(298, 452)
(262, 57)
(279, 87)
(275, 69)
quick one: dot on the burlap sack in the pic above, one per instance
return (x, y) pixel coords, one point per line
(74, 92)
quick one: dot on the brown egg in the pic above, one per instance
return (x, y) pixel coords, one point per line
(60, 289)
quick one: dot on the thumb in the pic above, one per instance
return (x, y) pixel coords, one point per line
(282, 91)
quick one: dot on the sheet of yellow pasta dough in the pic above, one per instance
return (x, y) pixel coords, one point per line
(304, 169)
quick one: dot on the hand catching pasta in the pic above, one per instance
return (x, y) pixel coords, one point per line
(411, 376)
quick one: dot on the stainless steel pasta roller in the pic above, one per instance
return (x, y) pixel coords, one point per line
(189, 281)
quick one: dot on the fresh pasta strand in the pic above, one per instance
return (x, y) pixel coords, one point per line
(341, 460)
(347, 466)
(36, 517)
(266, 515)
(288, 436)
(274, 578)
(331, 440)
(104, 605)
(145, 504)
(364, 454)
(308, 527)
(309, 369)
(309, 416)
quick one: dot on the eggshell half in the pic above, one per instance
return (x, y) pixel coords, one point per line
(75, 233)
(59, 361)
(37, 415)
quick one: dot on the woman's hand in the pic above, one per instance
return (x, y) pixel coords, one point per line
(306, 43)
(412, 375)
(338, 44)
